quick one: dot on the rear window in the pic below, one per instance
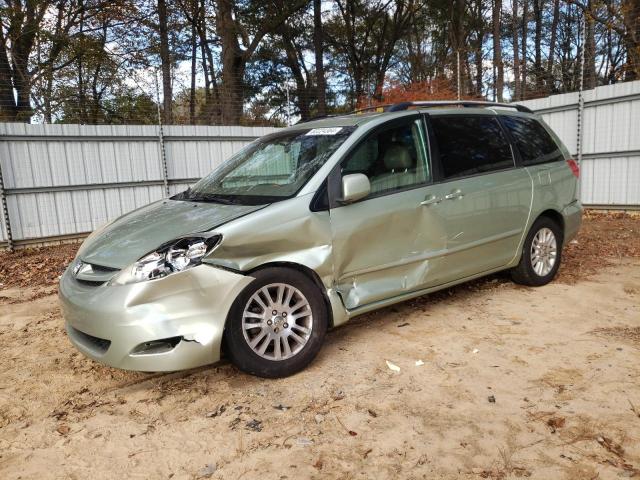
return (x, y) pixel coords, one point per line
(532, 140)
(471, 145)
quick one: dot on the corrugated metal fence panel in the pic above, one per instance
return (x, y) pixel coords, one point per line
(69, 179)
(610, 170)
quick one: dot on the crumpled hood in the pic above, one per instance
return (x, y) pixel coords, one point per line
(139, 232)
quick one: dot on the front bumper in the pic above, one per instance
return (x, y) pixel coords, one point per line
(186, 310)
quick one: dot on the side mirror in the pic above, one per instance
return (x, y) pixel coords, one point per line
(354, 187)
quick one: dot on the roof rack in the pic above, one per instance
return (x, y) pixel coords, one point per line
(317, 117)
(398, 107)
(377, 108)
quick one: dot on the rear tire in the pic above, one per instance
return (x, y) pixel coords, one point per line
(541, 254)
(277, 324)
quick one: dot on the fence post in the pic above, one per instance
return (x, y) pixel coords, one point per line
(580, 121)
(5, 213)
(163, 154)
(580, 95)
(459, 82)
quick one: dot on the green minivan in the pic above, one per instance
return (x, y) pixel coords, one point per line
(306, 228)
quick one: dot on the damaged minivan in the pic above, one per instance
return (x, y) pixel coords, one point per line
(306, 228)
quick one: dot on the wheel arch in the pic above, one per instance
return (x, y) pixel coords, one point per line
(310, 273)
(554, 215)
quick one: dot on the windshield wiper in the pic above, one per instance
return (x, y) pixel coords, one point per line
(190, 196)
(184, 195)
(211, 198)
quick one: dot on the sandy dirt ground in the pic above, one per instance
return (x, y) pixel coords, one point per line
(513, 382)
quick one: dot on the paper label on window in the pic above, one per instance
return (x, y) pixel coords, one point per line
(324, 131)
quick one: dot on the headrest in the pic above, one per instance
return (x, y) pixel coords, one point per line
(397, 157)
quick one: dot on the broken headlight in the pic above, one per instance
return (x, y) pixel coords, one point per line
(173, 257)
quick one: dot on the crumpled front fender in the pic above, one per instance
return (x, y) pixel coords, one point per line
(284, 232)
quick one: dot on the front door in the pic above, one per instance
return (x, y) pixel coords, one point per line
(392, 241)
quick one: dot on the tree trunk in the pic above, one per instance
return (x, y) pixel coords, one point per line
(537, 66)
(233, 65)
(589, 51)
(525, 25)
(630, 18)
(82, 94)
(318, 44)
(21, 49)
(458, 33)
(516, 52)
(294, 65)
(165, 60)
(478, 49)
(552, 46)
(7, 101)
(497, 50)
(358, 82)
(194, 52)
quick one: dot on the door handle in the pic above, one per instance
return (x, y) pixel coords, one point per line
(430, 200)
(454, 194)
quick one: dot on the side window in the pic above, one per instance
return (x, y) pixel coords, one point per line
(393, 159)
(532, 140)
(471, 145)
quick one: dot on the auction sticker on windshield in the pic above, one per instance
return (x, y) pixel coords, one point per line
(324, 131)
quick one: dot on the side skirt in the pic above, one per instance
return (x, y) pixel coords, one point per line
(342, 315)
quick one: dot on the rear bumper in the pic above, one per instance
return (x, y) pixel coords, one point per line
(186, 311)
(572, 214)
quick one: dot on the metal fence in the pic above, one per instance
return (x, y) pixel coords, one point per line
(62, 181)
(609, 140)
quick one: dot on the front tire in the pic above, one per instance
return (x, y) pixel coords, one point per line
(277, 324)
(541, 254)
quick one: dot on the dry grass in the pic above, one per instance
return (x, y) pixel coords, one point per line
(628, 334)
(603, 238)
(35, 267)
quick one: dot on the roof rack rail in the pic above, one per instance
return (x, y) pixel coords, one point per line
(378, 108)
(398, 107)
(317, 117)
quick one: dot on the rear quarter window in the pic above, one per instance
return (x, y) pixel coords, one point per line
(532, 140)
(470, 145)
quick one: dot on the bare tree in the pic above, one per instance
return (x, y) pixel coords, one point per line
(517, 94)
(23, 19)
(238, 48)
(538, 7)
(318, 45)
(525, 31)
(165, 61)
(552, 45)
(589, 49)
(497, 50)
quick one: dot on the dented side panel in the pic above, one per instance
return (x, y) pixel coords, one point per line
(286, 231)
(386, 246)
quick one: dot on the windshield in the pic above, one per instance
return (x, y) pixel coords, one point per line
(270, 169)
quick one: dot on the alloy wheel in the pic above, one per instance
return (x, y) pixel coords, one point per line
(544, 252)
(277, 321)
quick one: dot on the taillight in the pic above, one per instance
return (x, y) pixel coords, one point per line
(575, 168)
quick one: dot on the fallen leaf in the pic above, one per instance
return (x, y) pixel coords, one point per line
(63, 429)
(555, 423)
